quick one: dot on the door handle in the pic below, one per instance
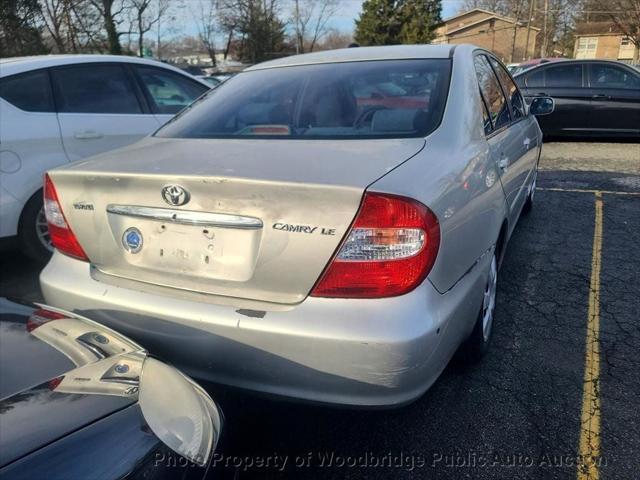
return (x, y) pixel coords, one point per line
(87, 135)
(601, 96)
(503, 163)
(527, 142)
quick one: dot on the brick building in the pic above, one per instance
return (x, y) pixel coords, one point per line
(491, 31)
(603, 40)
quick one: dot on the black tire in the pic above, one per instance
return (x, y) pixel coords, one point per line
(476, 346)
(30, 242)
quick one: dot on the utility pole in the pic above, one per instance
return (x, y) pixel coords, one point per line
(526, 47)
(543, 50)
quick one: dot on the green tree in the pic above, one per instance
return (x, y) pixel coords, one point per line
(258, 25)
(418, 20)
(379, 23)
(19, 31)
(391, 22)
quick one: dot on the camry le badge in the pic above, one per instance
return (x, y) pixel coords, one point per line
(132, 240)
(175, 195)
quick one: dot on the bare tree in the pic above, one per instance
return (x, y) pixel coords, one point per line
(503, 7)
(111, 12)
(85, 27)
(310, 20)
(53, 17)
(207, 22)
(335, 39)
(61, 22)
(259, 26)
(166, 21)
(516, 12)
(228, 24)
(146, 14)
(72, 25)
(626, 16)
(516, 9)
(555, 18)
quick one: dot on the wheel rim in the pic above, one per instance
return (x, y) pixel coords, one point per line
(489, 300)
(42, 230)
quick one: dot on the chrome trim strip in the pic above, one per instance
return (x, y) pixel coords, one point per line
(186, 217)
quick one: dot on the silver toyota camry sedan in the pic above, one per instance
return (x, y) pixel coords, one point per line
(327, 227)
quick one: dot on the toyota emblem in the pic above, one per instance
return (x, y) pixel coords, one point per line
(175, 195)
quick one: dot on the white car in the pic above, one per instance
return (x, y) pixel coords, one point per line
(56, 109)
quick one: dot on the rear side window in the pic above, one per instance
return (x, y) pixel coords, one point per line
(169, 92)
(611, 76)
(28, 91)
(513, 94)
(492, 93)
(98, 88)
(486, 119)
(563, 76)
(535, 79)
(350, 100)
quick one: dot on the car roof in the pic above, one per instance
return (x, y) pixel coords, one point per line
(538, 61)
(13, 65)
(564, 61)
(390, 52)
(584, 60)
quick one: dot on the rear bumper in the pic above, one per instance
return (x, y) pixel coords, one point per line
(381, 352)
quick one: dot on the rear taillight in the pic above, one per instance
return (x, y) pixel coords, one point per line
(54, 383)
(40, 317)
(61, 235)
(389, 250)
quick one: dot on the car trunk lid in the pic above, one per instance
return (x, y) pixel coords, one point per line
(261, 221)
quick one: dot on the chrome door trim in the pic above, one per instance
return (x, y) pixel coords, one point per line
(187, 217)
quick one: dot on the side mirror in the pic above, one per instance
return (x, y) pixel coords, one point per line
(542, 106)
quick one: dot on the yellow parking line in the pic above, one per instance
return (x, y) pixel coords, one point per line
(590, 418)
(586, 190)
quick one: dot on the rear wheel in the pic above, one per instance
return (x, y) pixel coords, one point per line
(478, 342)
(33, 232)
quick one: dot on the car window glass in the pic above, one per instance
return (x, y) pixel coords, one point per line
(492, 93)
(610, 76)
(90, 88)
(513, 94)
(28, 91)
(169, 92)
(350, 100)
(535, 78)
(564, 76)
(486, 119)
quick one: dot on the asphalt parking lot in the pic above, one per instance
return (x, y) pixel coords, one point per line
(560, 385)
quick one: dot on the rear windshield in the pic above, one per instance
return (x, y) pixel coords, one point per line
(373, 99)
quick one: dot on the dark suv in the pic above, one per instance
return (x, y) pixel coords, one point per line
(592, 97)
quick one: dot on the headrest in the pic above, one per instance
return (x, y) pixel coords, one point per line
(396, 120)
(254, 113)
